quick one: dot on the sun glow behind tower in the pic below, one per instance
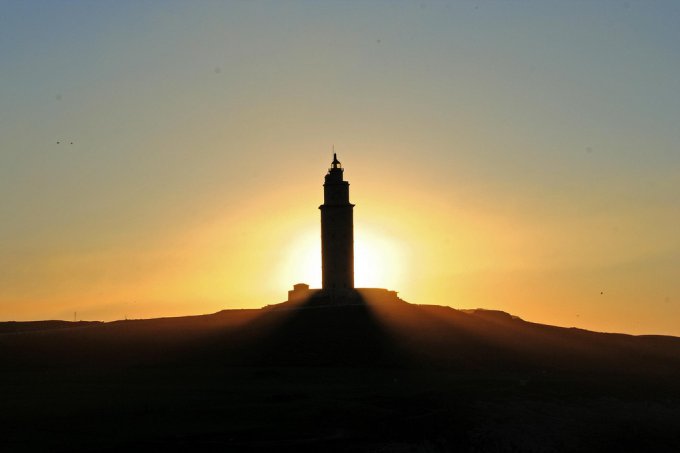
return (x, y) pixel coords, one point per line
(379, 261)
(338, 258)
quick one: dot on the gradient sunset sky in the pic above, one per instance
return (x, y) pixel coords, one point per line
(167, 158)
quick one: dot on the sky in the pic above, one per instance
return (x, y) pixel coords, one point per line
(167, 158)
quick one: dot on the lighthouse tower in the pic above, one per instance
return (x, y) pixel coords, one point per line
(337, 232)
(337, 253)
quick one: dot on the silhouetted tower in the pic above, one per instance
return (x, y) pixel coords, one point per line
(337, 231)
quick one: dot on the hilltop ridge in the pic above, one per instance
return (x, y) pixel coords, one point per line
(357, 377)
(395, 334)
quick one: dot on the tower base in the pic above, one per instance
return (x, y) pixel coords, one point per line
(304, 296)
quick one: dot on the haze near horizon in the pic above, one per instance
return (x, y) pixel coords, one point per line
(162, 159)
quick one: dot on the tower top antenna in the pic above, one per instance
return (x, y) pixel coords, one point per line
(336, 162)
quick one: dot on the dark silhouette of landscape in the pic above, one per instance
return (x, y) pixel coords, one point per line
(336, 375)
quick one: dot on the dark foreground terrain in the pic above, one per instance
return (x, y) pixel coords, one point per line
(376, 377)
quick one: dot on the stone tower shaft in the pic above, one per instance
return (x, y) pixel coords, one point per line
(337, 231)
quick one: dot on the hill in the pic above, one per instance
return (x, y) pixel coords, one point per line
(357, 377)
